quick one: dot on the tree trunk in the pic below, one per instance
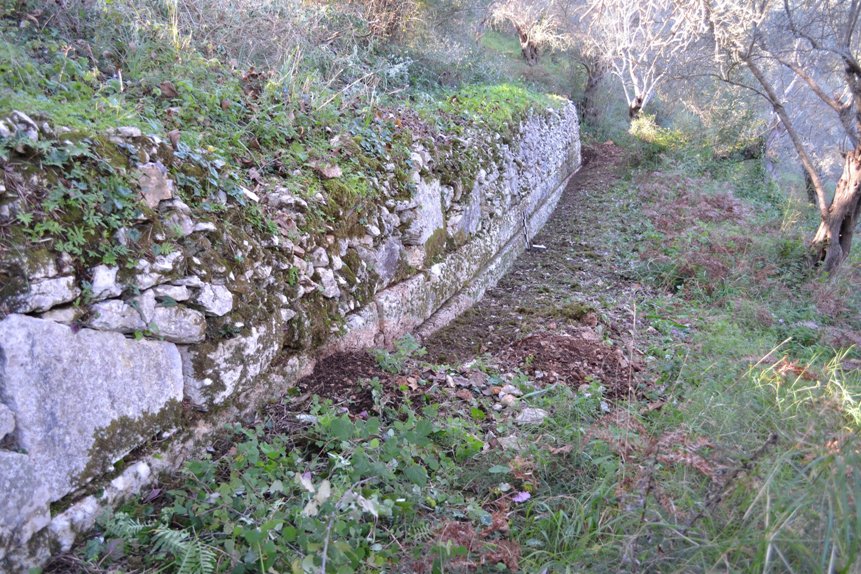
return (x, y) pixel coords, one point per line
(635, 107)
(780, 111)
(833, 239)
(809, 188)
(589, 109)
(527, 48)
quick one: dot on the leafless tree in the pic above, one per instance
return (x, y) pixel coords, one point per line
(756, 44)
(535, 22)
(638, 41)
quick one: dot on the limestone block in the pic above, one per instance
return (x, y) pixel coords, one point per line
(176, 216)
(405, 306)
(145, 305)
(427, 217)
(319, 257)
(179, 324)
(83, 515)
(216, 371)
(360, 331)
(24, 505)
(328, 286)
(104, 284)
(467, 223)
(46, 293)
(384, 259)
(41, 267)
(115, 315)
(153, 272)
(7, 421)
(83, 400)
(215, 299)
(64, 315)
(175, 292)
(155, 185)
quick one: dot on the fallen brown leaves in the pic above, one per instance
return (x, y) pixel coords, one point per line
(168, 90)
(641, 453)
(480, 551)
(787, 368)
(573, 359)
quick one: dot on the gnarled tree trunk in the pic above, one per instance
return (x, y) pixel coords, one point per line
(833, 239)
(527, 48)
(635, 107)
(594, 75)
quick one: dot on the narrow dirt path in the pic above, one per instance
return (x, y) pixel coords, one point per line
(564, 300)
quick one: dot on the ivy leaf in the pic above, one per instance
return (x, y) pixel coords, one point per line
(167, 302)
(416, 474)
(56, 157)
(342, 428)
(77, 149)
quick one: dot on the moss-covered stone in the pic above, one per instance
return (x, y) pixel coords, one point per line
(435, 247)
(124, 435)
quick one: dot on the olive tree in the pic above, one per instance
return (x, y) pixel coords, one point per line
(536, 23)
(640, 42)
(815, 43)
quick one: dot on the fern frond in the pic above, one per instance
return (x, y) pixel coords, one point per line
(421, 532)
(124, 526)
(207, 558)
(200, 559)
(174, 542)
(191, 555)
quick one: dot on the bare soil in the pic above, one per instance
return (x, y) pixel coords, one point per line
(565, 311)
(343, 378)
(573, 360)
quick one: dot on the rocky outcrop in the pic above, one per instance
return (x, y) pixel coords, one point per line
(98, 362)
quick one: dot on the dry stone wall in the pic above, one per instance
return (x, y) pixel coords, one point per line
(84, 385)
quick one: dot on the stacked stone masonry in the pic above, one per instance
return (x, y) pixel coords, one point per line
(84, 386)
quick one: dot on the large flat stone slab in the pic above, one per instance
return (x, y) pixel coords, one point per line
(83, 400)
(215, 371)
(23, 501)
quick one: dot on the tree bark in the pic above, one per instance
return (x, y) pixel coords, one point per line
(594, 75)
(527, 48)
(635, 107)
(833, 239)
(809, 189)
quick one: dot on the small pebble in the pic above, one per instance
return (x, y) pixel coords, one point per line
(511, 390)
